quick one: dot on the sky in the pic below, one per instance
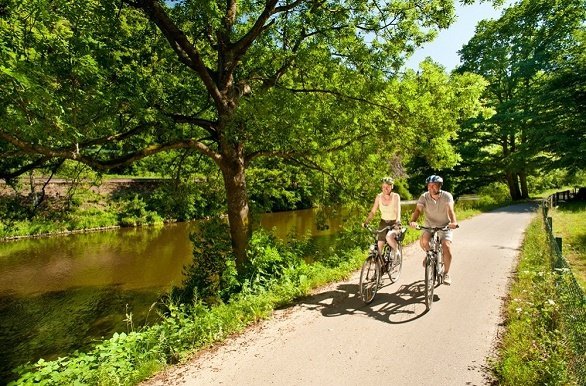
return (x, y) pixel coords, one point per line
(443, 49)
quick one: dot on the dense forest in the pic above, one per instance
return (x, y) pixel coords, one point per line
(285, 104)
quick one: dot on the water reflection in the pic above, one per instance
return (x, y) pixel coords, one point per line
(128, 258)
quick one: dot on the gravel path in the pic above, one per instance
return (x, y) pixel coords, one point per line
(332, 338)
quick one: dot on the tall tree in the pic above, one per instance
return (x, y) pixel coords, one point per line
(512, 53)
(560, 98)
(232, 80)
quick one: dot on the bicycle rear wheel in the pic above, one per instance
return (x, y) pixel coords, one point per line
(396, 265)
(369, 279)
(429, 281)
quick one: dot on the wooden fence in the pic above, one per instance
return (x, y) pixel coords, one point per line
(571, 296)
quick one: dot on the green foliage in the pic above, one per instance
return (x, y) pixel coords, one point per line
(497, 191)
(186, 201)
(532, 58)
(268, 260)
(211, 277)
(135, 213)
(279, 187)
(534, 351)
(553, 179)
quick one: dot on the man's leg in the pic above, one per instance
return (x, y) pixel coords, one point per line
(424, 243)
(447, 249)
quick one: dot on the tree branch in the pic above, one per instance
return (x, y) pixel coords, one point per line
(74, 152)
(186, 51)
(40, 162)
(339, 94)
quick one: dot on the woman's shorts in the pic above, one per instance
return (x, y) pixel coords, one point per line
(382, 224)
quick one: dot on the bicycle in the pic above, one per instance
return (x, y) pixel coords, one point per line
(377, 264)
(434, 263)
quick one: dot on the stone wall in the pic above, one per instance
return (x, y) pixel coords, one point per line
(60, 187)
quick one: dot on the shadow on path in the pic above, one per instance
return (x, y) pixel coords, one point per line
(518, 208)
(403, 306)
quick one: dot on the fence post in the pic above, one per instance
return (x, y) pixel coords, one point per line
(558, 241)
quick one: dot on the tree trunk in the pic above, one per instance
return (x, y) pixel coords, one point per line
(234, 174)
(524, 189)
(513, 186)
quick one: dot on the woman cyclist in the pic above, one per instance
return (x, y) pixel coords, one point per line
(389, 205)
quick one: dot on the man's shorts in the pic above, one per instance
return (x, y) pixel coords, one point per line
(443, 235)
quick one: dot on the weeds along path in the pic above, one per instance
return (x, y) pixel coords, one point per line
(332, 338)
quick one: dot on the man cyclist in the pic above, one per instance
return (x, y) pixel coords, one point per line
(389, 205)
(438, 207)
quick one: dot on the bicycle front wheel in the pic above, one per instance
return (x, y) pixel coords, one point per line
(429, 282)
(396, 265)
(369, 279)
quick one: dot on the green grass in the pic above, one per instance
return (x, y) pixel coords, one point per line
(569, 223)
(534, 350)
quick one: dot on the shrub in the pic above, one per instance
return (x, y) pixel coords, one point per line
(186, 201)
(134, 212)
(498, 191)
(268, 259)
(211, 277)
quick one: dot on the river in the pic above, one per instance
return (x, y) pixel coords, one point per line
(61, 294)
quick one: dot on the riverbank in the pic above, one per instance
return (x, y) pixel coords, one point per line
(61, 207)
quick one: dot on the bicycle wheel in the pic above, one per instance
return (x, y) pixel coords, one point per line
(396, 265)
(440, 267)
(429, 281)
(369, 279)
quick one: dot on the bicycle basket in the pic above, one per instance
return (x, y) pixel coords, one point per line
(401, 235)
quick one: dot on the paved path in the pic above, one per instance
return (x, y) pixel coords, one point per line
(333, 339)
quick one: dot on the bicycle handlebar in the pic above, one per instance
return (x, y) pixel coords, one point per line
(373, 230)
(435, 229)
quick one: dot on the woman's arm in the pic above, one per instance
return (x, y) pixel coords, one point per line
(372, 211)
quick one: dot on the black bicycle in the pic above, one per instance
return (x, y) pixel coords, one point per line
(377, 264)
(434, 263)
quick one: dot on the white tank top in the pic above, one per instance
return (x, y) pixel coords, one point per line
(389, 212)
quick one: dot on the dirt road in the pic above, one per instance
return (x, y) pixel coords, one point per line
(333, 339)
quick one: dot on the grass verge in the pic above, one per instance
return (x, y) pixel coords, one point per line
(569, 223)
(534, 350)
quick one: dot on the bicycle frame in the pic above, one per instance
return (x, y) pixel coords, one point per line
(434, 265)
(379, 262)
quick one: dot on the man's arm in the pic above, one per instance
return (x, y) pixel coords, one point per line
(452, 216)
(415, 215)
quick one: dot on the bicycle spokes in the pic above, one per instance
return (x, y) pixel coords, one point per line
(429, 280)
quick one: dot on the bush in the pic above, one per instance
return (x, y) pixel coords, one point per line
(186, 201)
(498, 191)
(211, 277)
(268, 259)
(134, 212)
